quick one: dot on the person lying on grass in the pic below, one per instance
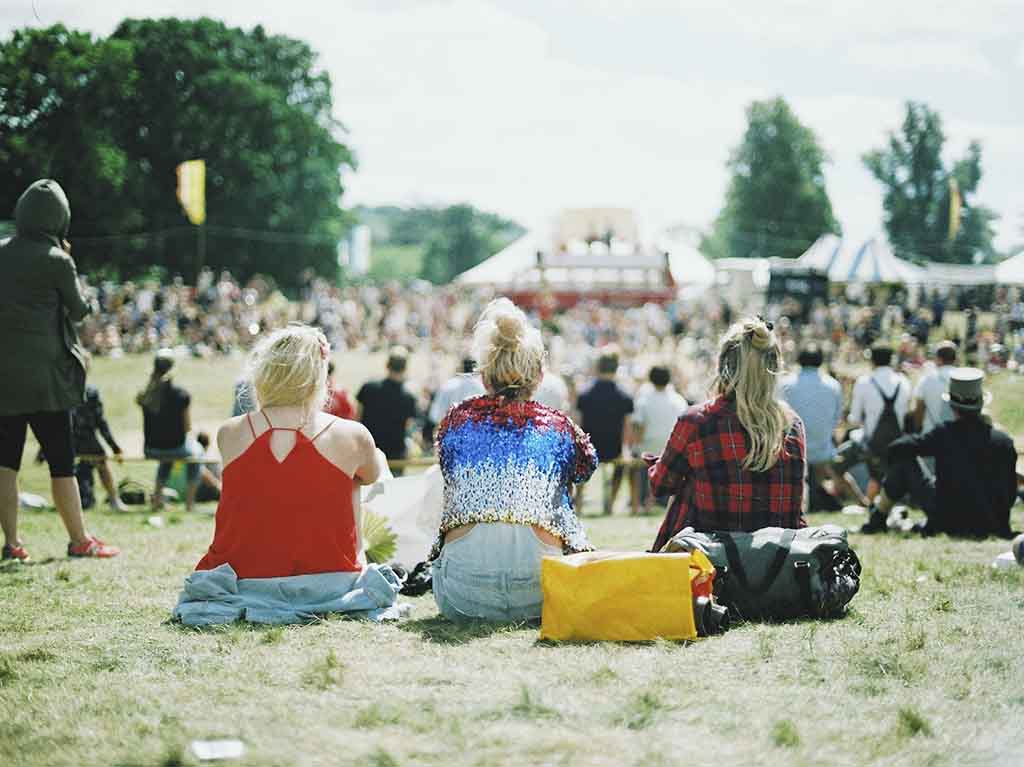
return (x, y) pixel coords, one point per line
(738, 461)
(509, 465)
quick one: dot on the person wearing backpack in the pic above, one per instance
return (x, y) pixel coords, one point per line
(880, 404)
(975, 482)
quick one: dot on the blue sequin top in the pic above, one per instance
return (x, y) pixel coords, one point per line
(512, 461)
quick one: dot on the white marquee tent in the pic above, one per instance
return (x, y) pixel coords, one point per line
(873, 262)
(1011, 271)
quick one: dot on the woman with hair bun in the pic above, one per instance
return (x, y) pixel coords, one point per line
(289, 497)
(738, 461)
(509, 465)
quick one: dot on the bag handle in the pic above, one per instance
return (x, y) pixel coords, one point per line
(732, 554)
(802, 572)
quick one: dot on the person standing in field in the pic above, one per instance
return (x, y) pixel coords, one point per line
(386, 407)
(930, 409)
(42, 364)
(456, 389)
(817, 398)
(604, 409)
(656, 414)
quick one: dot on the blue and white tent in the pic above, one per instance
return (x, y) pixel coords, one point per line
(873, 262)
(823, 253)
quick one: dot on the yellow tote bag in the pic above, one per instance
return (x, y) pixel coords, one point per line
(622, 596)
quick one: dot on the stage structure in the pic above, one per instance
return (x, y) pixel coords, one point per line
(590, 254)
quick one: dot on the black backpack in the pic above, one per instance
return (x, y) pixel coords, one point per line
(888, 429)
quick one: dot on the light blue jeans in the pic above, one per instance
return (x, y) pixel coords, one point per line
(491, 573)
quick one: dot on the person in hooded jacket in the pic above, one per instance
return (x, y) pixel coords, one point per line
(42, 364)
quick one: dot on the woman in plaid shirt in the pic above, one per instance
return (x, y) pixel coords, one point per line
(738, 461)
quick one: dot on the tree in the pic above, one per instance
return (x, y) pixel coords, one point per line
(463, 237)
(776, 203)
(156, 93)
(59, 91)
(918, 193)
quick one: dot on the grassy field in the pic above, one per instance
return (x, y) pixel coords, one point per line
(925, 670)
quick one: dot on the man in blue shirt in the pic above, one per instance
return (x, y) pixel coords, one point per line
(818, 399)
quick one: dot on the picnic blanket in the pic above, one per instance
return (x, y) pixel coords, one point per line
(212, 597)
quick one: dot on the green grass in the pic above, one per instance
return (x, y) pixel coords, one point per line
(925, 670)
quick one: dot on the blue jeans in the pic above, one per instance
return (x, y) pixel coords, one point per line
(491, 573)
(166, 456)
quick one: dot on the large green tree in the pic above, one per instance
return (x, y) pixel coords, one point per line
(918, 193)
(60, 93)
(462, 238)
(776, 203)
(158, 92)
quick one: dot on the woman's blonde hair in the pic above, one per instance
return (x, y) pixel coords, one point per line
(289, 367)
(509, 350)
(749, 360)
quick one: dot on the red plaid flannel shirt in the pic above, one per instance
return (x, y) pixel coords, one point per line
(702, 466)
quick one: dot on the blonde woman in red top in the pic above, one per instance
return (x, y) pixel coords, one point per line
(290, 498)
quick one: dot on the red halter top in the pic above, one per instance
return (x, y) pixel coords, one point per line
(289, 517)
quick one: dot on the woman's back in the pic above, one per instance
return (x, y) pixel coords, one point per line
(286, 507)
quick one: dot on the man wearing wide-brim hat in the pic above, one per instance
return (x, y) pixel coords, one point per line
(975, 482)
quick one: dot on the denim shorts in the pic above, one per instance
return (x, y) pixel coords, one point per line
(166, 456)
(491, 573)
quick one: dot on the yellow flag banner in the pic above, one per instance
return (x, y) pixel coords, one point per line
(192, 190)
(954, 208)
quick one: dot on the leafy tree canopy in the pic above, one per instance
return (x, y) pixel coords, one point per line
(111, 120)
(433, 243)
(776, 203)
(918, 193)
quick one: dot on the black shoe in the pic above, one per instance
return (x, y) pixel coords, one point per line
(876, 523)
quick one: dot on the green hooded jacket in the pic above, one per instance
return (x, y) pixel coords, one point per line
(42, 364)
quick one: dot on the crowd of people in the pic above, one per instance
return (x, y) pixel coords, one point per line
(536, 408)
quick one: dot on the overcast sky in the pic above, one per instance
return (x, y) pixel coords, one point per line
(527, 106)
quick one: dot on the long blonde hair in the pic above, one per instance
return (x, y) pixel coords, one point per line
(509, 350)
(288, 368)
(749, 360)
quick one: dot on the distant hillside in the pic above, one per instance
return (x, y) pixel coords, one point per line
(432, 243)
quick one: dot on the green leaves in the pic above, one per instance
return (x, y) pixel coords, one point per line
(776, 204)
(111, 119)
(916, 186)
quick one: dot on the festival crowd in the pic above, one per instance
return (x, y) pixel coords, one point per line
(536, 408)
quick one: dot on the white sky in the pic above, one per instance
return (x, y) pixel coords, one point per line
(524, 107)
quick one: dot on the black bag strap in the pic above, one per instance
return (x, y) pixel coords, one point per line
(802, 572)
(889, 401)
(732, 554)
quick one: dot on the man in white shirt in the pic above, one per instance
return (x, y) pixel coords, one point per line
(654, 417)
(459, 387)
(869, 395)
(930, 409)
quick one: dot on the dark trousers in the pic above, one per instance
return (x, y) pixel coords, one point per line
(907, 480)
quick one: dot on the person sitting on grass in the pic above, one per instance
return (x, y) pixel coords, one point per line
(508, 465)
(209, 474)
(42, 363)
(975, 482)
(289, 493)
(738, 461)
(166, 423)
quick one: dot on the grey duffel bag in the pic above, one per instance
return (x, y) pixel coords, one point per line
(779, 573)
